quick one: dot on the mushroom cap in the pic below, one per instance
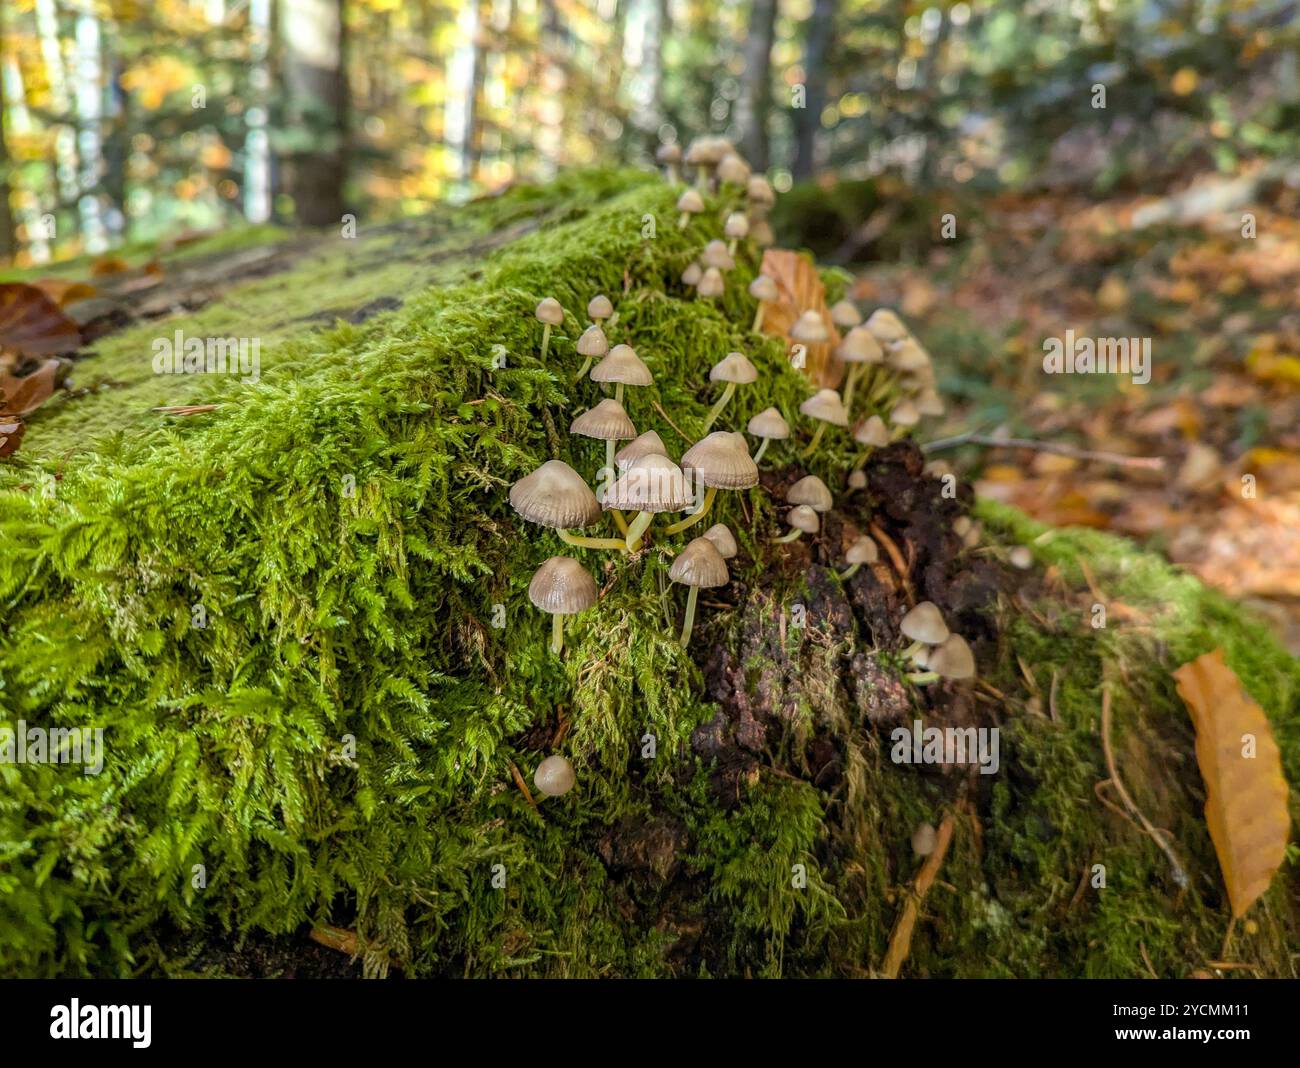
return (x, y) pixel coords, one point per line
(733, 169)
(649, 484)
(769, 423)
(550, 311)
(723, 540)
(924, 839)
(860, 346)
(930, 403)
(1021, 557)
(554, 776)
(734, 367)
(924, 623)
(562, 587)
(690, 202)
(599, 307)
(764, 287)
(862, 551)
(810, 328)
(857, 479)
(953, 659)
(937, 469)
(715, 254)
(845, 314)
(812, 491)
(722, 460)
(708, 150)
(905, 414)
(908, 356)
(737, 225)
(699, 564)
(873, 432)
(607, 421)
(691, 276)
(887, 326)
(647, 444)
(622, 364)
(671, 153)
(758, 190)
(710, 283)
(593, 342)
(804, 518)
(556, 496)
(827, 406)
(760, 232)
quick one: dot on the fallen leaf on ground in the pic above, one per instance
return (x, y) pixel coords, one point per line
(31, 324)
(64, 292)
(802, 290)
(22, 396)
(11, 433)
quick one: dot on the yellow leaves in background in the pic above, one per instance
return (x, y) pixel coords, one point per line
(154, 79)
(1246, 794)
(1266, 363)
(1184, 82)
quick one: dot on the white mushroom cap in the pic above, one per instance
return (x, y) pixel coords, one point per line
(886, 326)
(549, 311)
(734, 367)
(671, 153)
(812, 491)
(733, 169)
(953, 659)
(607, 421)
(764, 287)
(715, 254)
(844, 314)
(723, 540)
(810, 328)
(554, 776)
(827, 406)
(690, 202)
(1021, 556)
(905, 414)
(804, 518)
(769, 423)
(937, 469)
(759, 191)
(760, 232)
(930, 403)
(699, 564)
(649, 484)
(737, 225)
(722, 460)
(710, 283)
(691, 276)
(556, 496)
(857, 479)
(647, 444)
(924, 623)
(862, 551)
(859, 346)
(908, 356)
(562, 587)
(622, 364)
(599, 307)
(872, 432)
(707, 150)
(593, 342)
(924, 839)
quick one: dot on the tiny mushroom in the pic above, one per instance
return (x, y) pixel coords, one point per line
(699, 565)
(688, 204)
(554, 776)
(769, 425)
(669, 156)
(608, 422)
(719, 461)
(952, 659)
(651, 484)
(736, 229)
(734, 369)
(691, 276)
(591, 345)
(905, 414)
(710, 283)
(715, 254)
(873, 433)
(549, 313)
(908, 356)
(813, 492)
(858, 349)
(599, 307)
(930, 403)
(763, 289)
(760, 194)
(623, 367)
(862, 551)
(760, 232)
(810, 328)
(1021, 557)
(857, 479)
(925, 626)
(555, 496)
(826, 407)
(732, 170)
(562, 587)
(723, 540)
(924, 839)
(704, 154)
(845, 315)
(886, 326)
(647, 444)
(802, 520)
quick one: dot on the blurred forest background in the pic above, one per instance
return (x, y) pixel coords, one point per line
(134, 120)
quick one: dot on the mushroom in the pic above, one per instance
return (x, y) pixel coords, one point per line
(723, 540)
(669, 156)
(812, 491)
(886, 326)
(699, 565)
(924, 839)
(736, 228)
(763, 289)
(734, 369)
(555, 496)
(857, 479)
(732, 170)
(862, 551)
(715, 254)
(710, 284)
(598, 308)
(554, 776)
(905, 414)
(802, 520)
(925, 626)
(623, 367)
(591, 344)
(561, 587)
(691, 276)
(647, 444)
(873, 433)
(704, 154)
(908, 356)
(651, 484)
(760, 232)
(770, 425)
(845, 315)
(1021, 557)
(689, 203)
(549, 313)
(607, 422)
(826, 407)
(930, 403)
(810, 328)
(760, 194)
(858, 349)
(952, 659)
(719, 461)
(968, 530)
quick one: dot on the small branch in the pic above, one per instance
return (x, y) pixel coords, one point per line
(186, 409)
(1149, 463)
(900, 942)
(523, 786)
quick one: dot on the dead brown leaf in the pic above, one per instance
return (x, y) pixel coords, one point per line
(31, 324)
(22, 396)
(802, 290)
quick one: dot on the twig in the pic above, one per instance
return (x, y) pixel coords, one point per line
(186, 409)
(896, 558)
(900, 941)
(523, 786)
(1150, 463)
(681, 433)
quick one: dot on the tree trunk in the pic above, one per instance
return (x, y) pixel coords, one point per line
(808, 119)
(315, 85)
(755, 102)
(8, 232)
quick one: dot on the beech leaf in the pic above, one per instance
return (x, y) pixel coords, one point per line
(802, 290)
(31, 324)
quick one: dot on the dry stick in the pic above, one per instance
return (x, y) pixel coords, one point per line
(523, 786)
(186, 409)
(343, 940)
(1150, 463)
(682, 434)
(1180, 873)
(896, 558)
(900, 941)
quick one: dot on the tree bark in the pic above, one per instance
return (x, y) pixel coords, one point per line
(755, 102)
(808, 119)
(315, 85)
(8, 231)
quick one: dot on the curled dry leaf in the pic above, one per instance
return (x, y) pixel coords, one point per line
(802, 290)
(22, 396)
(11, 433)
(64, 292)
(1246, 795)
(31, 324)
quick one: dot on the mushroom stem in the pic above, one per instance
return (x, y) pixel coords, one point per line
(557, 634)
(583, 542)
(731, 249)
(855, 372)
(586, 366)
(702, 178)
(619, 521)
(694, 517)
(922, 678)
(609, 456)
(716, 410)
(671, 176)
(683, 220)
(761, 449)
(817, 437)
(618, 392)
(910, 652)
(785, 539)
(637, 528)
(758, 318)
(850, 571)
(546, 338)
(689, 622)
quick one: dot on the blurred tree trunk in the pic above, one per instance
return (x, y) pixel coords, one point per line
(816, 53)
(315, 85)
(8, 231)
(756, 84)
